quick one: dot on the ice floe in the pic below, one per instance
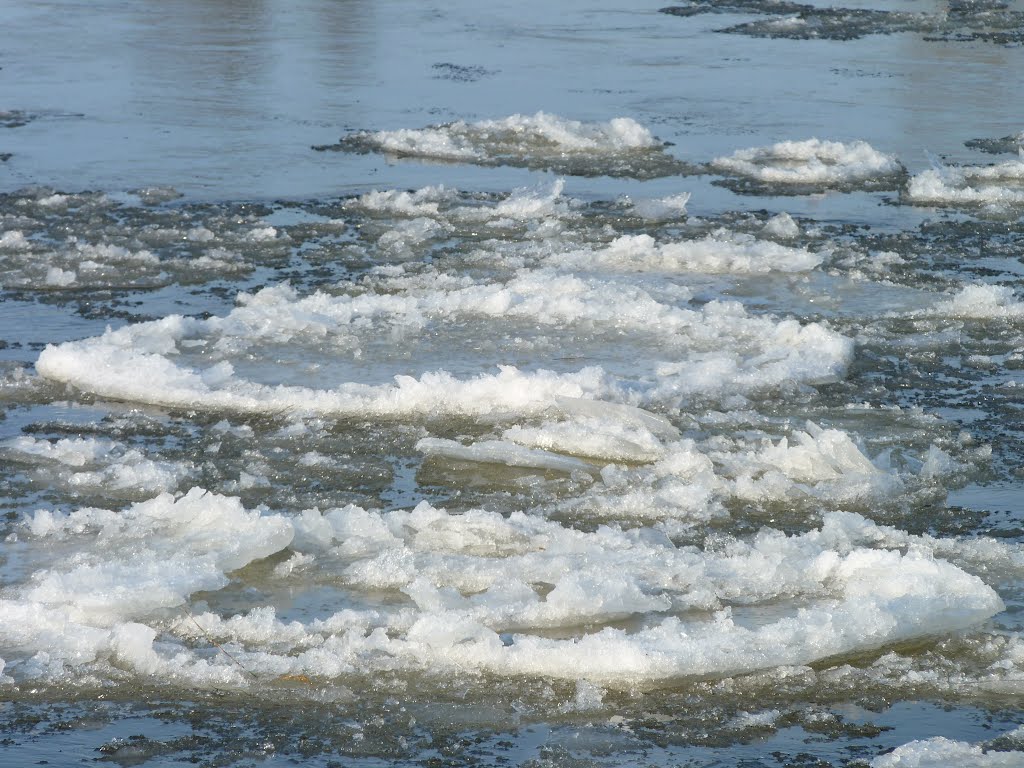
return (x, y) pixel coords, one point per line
(812, 163)
(618, 147)
(995, 186)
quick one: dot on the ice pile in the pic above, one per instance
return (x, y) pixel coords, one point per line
(812, 163)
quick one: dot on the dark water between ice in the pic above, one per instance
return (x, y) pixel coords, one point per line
(725, 479)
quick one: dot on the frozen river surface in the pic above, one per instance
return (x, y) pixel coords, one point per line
(528, 383)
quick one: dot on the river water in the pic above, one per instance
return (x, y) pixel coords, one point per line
(527, 383)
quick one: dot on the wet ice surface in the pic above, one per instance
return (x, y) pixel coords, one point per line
(519, 430)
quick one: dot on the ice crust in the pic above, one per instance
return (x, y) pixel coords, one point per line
(810, 162)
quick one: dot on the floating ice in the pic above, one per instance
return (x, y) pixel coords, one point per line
(941, 752)
(825, 463)
(420, 202)
(85, 265)
(754, 720)
(594, 438)
(664, 208)
(722, 251)
(474, 575)
(618, 415)
(552, 221)
(620, 146)
(13, 240)
(782, 225)
(60, 278)
(594, 429)
(112, 254)
(468, 578)
(717, 348)
(449, 209)
(152, 555)
(460, 140)
(689, 482)
(1000, 185)
(110, 242)
(994, 22)
(130, 375)
(502, 452)
(982, 555)
(260, 234)
(1013, 143)
(95, 465)
(981, 302)
(128, 568)
(812, 163)
(56, 200)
